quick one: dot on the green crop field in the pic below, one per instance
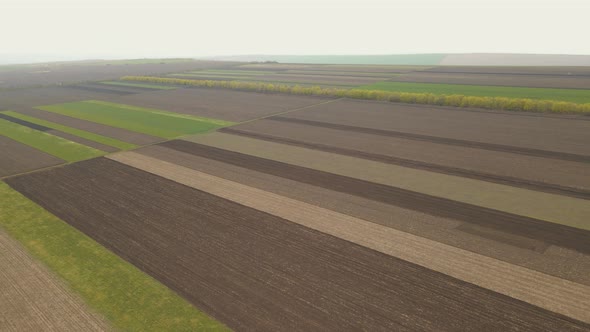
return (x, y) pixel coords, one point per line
(77, 132)
(142, 120)
(54, 145)
(130, 299)
(571, 95)
(139, 85)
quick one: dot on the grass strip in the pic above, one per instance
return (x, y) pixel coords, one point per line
(139, 85)
(495, 103)
(130, 299)
(142, 120)
(54, 145)
(77, 132)
(570, 95)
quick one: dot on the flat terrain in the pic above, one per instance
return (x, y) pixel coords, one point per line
(555, 136)
(219, 104)
(32, 298)
(18, 158)
(359, 287)
(162, 207)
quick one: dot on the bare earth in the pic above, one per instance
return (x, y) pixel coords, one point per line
(33, 299)
(19, 158)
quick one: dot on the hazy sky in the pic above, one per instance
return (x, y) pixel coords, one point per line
(148, 28)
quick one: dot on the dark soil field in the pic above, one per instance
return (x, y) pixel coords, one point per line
(219, 104)
(32, 97)
(120, 134)
(264, 273)
(20, 158)
(521, 251)
(549, 136)
(514, 169)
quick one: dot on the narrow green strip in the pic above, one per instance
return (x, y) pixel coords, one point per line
(77, 132)
(130, 299)
(139, 85)
(54, 145)
(569, 95)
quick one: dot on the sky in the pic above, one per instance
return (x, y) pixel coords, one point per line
(189, 28)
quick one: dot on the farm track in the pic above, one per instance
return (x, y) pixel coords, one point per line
(529, 253)
(265, 273)
(33, 299)
(561, 135)
(117, 133)
(18, 157)
(507, 180)
(557, 234)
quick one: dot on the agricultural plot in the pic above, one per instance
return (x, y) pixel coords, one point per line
(219, 104)
(142, 120)
(559, 176)
(51, 144)
(126, 298)
(571, 95)
(19, 158)
(519, 80)
(257, 260)
(555, 137)
(32, 298)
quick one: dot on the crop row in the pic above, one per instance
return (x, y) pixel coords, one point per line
(497, 103)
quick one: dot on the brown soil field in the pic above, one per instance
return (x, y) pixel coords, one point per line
(53, 74)
(550, 175)
(549, 232)
(117, 133)
(20, 158)
(320, 79)
(33, 299)
(490, 273)
(83, 141)
(554, 134)
(530, 253)
(26, 98)
(255, 271)
(219, 104)
(529, 81)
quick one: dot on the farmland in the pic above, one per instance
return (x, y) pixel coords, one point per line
(205, 195)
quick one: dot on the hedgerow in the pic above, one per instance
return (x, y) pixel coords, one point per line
(496, 103)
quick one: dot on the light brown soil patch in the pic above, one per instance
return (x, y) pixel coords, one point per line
(33, 299)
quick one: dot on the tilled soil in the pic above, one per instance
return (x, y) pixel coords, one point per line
(549, 232)
(219, 104)
(16, 158)
(255, 271)
(567, 211)
(555, 134)
(548, 292)
(33, 299)
(502, 245)
(519, 170)
(117, 133)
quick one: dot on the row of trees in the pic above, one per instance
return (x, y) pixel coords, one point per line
(495, 103)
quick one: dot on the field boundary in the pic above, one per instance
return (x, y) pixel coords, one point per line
(497, 103)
